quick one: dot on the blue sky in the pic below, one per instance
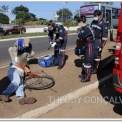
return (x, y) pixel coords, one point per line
(45, 9)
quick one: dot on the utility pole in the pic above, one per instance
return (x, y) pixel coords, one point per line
(62, 10)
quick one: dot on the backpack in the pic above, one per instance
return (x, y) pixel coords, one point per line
(79, 51)
(46, 61)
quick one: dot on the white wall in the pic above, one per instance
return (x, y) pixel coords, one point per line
(35, 30)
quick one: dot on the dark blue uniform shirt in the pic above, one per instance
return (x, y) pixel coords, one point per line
(60, 32)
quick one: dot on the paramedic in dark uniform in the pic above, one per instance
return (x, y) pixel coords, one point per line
(86, 34)
(60, 39)
(101, 34)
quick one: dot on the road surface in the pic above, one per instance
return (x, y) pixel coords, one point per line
(66, 80)
(40, 46)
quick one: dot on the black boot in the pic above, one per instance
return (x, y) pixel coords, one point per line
(85, 80)
(60, 67)
(93, 71)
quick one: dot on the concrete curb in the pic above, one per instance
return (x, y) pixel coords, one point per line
(73, 95)
(31, 37)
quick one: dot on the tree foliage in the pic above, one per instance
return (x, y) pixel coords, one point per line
(76, 14)
(64, 14)
(4, 9)
(4, 19)
(23, 15)
(20, 8)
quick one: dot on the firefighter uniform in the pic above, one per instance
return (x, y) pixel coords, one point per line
(61, 40)
(86, 34)
(101, 34)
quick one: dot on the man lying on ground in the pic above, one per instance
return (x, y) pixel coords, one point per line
(16, 76)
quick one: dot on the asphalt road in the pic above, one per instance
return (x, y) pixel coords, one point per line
(40, 46)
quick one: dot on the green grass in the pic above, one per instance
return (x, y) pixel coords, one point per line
(27, 35)
(22, 35)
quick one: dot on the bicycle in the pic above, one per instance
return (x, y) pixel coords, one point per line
(37, 82)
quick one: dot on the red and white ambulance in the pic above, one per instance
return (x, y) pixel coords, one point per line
(117, 71)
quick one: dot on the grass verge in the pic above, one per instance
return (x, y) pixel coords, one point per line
(27, 35)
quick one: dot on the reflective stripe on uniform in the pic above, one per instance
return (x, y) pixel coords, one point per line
(86, 66)
(97, 59)
(60, 38)
(90, 49)
(97, 27)
(62, 50)
(104, 38)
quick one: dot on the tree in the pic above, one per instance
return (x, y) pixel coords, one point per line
(64, 14)
(23, 15)
(20, 8)
(76, 14)
(32, 16)
(13, 22)
(4, 9)
(4, 19)
(42, 19)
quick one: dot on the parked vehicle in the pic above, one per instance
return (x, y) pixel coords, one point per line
(45, 29)
(110, 13)
(15, 30)
(117, 71)
(2, 32)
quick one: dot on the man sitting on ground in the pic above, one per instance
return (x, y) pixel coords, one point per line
(21, 47)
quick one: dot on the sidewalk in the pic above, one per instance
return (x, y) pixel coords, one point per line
(66, 81)
(92, 106)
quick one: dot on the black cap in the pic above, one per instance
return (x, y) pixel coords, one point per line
(97, 13)
(81, 19)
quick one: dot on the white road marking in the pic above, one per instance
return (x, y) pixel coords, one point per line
(1, 67)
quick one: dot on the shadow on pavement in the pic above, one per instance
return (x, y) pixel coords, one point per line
(111, 50)
(79, 62)
(4, 84)
(65, 60)
(33, 61)
(107, 90)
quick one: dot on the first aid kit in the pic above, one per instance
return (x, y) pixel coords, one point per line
(46, 61)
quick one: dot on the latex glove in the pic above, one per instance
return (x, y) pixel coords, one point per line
(53, 45)
(100, 49)
(51, 42)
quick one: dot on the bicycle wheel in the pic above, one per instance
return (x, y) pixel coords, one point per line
(39, 82)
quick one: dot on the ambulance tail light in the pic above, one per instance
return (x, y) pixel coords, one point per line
(119, 37)
(117, 55)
